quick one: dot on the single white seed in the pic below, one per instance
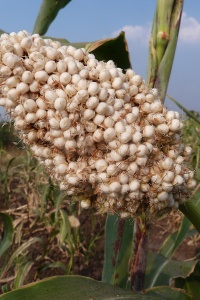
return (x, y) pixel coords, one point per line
(148, 131)
(163, 196)
(50, 66)
(54, 123)
(170, 115)
(167, 163)
(19, 109)
(111, 170)
(65, 78)
(58, 159)
(98, 135)
(61, 66)
(142, 150)
(125, 137)
(70, 145)
(177, 169)
(109, 134)
(175, 125)
(27, 77)
(103, 94)
(115, 187)
(134, 185)
(115, 156)
(88, 114)
(168, 176)
(41, 113)
(12, 82)
(187, 151)
(132, 149)
(79, 54)
(133, 90)
(59, 142)
(132, 168)
(91, 126)
(85, 203)
(163, 128)
(41, 76)
(34, 86)
(50, 96)
(123, 178)
(60, 104)
(104, 75)
(92, 102)
(123, 150)
(139, 98)
(120, 127)
(104, 188)
(167, 186)
(109, 122)
(62, 168)
(178, 180)
(101, 165)
(31, 118)
(65, 123)
(93, 88)
(191, 184)
(22, 88)
(32, 135)
(98, 119)
(30, 105)
(137, 137)
(136, 80)
(117, 82)
(141, 161)
(156, 106)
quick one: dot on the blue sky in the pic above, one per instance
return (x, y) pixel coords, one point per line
(90, 20)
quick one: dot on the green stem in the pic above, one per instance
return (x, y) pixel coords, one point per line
(118, 244)
(163, 43)
(139, 257)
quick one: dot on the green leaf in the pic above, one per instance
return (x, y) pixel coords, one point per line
(191, 284)
(8, 233)
(79, 288)
(166, 292)
(65, 228)
(115, 49)
(176, 238)
(192, 212)
(2, 31)
(19, 251)
(118, 246)
(48, 11)
(22, 273)
(160, 269)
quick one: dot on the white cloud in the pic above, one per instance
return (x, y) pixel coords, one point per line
(138, 34)
(189, 30)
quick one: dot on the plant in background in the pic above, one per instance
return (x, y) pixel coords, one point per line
(103, 136)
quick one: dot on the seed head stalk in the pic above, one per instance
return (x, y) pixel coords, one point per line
(162, 46)
(140, 246)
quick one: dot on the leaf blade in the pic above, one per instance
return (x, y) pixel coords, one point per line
(7, 239)
(47, 13)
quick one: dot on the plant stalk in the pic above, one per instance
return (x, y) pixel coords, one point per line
(139, 256)
(163, 41)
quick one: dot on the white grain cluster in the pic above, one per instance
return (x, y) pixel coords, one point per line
(99, 132)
